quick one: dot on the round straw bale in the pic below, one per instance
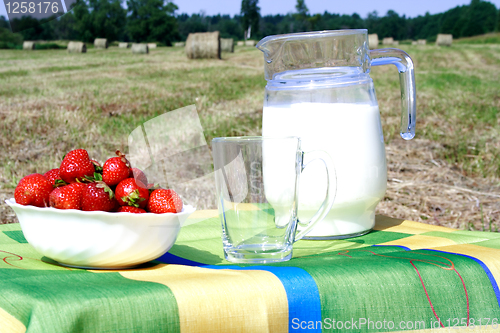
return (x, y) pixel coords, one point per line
(27, 45)
(250, 43)
(240, 43)
(101, 43)
(123, 45)
(140, 48)
(226, 45)
(180, 44)
(388, 41)
(444, 40)
(414, 42)
(203, 45)
(396, 42)
(77, 47)
(151, 46)
(373, 41)
(422, 42)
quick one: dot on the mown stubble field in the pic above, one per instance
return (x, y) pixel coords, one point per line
(52, 102)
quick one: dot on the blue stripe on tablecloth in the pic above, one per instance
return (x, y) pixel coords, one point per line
(169, 258)
(485, 268)
(304, 303)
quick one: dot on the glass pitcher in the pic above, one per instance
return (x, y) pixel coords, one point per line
(319, 89)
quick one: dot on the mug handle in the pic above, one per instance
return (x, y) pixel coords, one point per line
(331, 188)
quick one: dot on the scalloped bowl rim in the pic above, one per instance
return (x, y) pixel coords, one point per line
(186, 209)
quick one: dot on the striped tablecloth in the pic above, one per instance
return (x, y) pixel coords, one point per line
(402, 276)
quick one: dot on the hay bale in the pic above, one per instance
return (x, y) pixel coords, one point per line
(250, 43)
(77, 47)
(444, 40)
(227, 45)
(388, 41)
(240, 43)
(203, 45)
(179, 44)
(140, 48)
(123, 45)
(414, 42)
(27, 45)
(396, 42)
(422, 42)
(373, 41)
(151, 46)
(101, 43)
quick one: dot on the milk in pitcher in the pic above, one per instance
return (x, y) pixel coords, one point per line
(352, 135)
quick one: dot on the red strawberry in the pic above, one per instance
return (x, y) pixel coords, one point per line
(98, 196)
(164, 201)
(67, 197)
(115, 169)
(33, 190)
(128, 193)
(75, 166)
(130, 209)
(54, 177)
(139, 176)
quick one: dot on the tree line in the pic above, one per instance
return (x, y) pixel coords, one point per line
(157, 21)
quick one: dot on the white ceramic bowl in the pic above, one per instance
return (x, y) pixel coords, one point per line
(99, 239)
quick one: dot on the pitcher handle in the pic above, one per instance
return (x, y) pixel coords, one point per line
(404, 65)
(331, 189)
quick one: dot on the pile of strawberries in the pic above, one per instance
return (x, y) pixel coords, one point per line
(83, 184)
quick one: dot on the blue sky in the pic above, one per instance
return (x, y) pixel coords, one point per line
(362, 7)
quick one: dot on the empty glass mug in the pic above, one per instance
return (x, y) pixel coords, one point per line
(257, 180)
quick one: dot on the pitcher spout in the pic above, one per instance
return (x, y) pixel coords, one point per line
(263, 45)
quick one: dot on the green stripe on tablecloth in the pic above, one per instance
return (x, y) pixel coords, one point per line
(4, 239)
(486, 239)
(9, 234)
(378, 237)
(493, 243)
(52, 301)
(200, 242)
(376, 283)
(16, 235)
(480, 234)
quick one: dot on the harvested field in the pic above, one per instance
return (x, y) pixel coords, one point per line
(52, 102)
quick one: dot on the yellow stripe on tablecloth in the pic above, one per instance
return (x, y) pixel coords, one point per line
(240, 206)
(9, 323)
(417, 242)
(204, 214)
(201, 215)
(385, 223)
(216, 300)
(489, 256)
